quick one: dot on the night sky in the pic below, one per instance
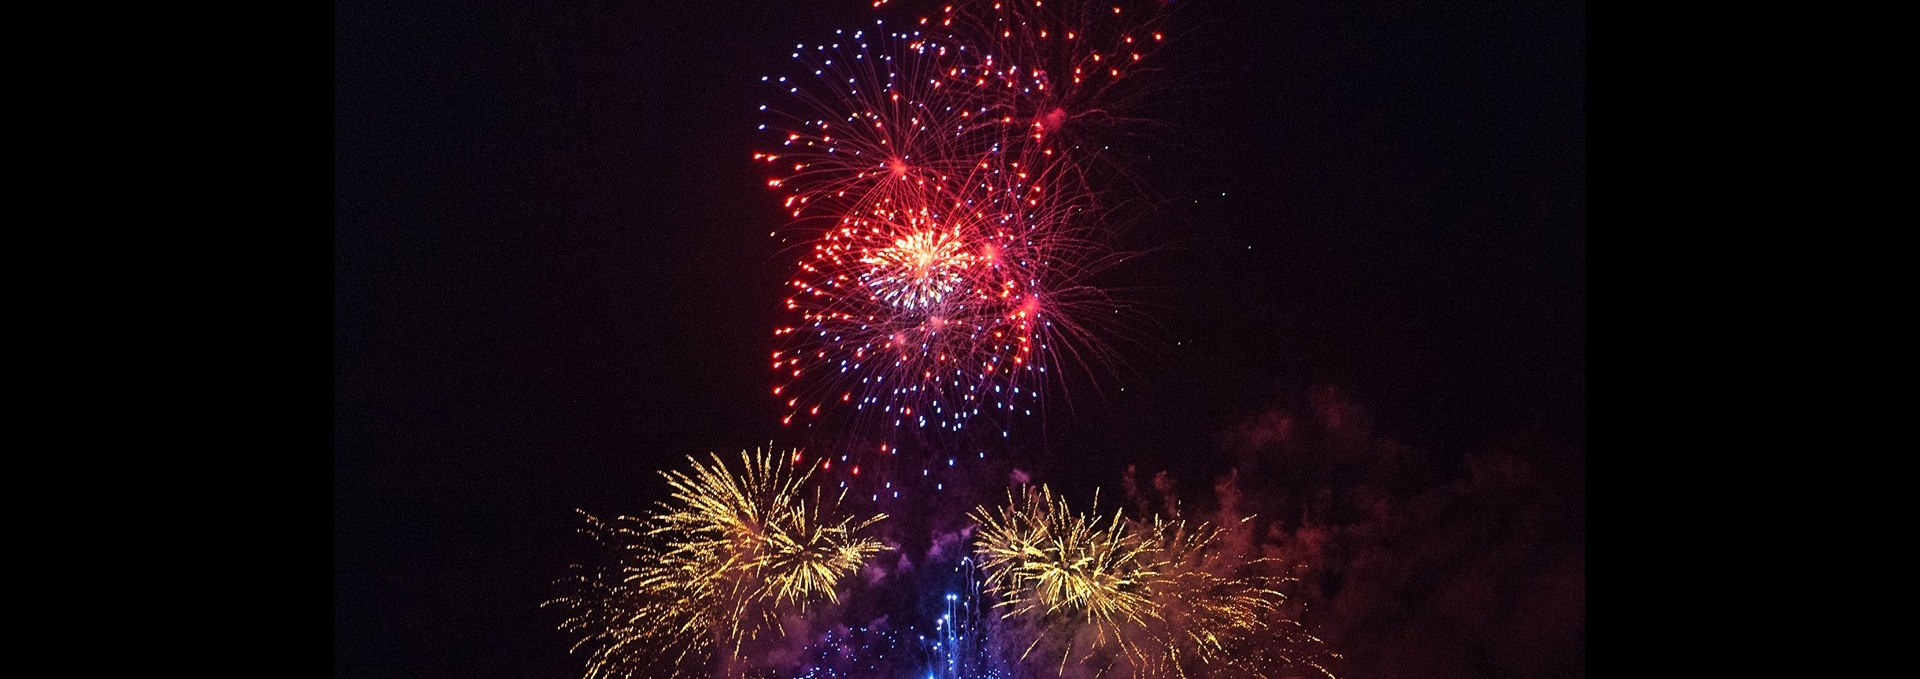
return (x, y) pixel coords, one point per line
(1363, 242)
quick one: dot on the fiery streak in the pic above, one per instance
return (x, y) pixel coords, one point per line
(710, 568)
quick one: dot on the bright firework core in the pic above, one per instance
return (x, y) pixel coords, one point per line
(919, 270)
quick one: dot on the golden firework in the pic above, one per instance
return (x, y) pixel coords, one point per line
(1153, 598)
(710, 568)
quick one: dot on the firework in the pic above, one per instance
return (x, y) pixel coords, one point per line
(1066, 571)
(1220, 610)
(957, 645)
(962, 644)
(710, 568)
(1157, 598)
(937, 311)
(945, 258)
(867, 120)
(1068, 71)
(852, 653)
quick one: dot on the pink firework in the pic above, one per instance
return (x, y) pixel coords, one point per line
(944, 244)
(927, 310)
(870, 119)
(1068, 70)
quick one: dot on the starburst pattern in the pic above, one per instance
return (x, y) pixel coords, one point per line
(947, 245)
(710, 568)
(1154, 598)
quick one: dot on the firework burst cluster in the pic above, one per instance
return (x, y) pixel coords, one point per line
(938, 180)
(735, 551)
(942, 182)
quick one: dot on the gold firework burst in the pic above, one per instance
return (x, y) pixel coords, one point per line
(1153, 598)
(710, 568)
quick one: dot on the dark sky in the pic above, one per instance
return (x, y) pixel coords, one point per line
(552, 273)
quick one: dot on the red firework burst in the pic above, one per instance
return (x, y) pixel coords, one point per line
(944, 241)
(1068, 70)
